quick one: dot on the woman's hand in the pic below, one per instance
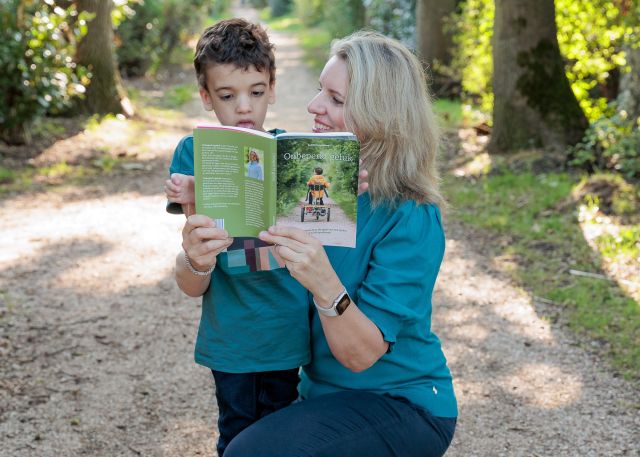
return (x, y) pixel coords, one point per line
(363, 185)
(305, 259)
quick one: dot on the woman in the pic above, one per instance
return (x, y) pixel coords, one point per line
(378, 383)
(254, 170)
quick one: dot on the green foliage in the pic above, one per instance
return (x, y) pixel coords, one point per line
(259, 3)
(310, 12)
(394, 18)
(279, 7)
(611, 143)
(177, 96)
(139, 37)
(626, 243)
(472, 33)
(529, 220)
(37, 44)
(590, 34)
(152, 29)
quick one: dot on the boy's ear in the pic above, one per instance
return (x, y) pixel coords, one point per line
(207, 102)
(272, 92)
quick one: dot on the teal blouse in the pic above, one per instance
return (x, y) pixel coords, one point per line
(390, 275)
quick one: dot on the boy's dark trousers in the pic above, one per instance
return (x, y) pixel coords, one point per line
(243, 398)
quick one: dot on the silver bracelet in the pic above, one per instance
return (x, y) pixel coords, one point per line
(193, 270)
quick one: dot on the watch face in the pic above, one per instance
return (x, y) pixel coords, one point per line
(343, 304)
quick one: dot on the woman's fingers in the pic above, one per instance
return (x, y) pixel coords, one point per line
(363, 185)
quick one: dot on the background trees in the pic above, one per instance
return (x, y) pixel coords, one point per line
(105, 93)
(533, 102)
(62, 55)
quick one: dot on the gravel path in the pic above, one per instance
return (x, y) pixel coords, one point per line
(96, 341)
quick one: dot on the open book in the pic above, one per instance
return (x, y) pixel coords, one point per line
(248, 180)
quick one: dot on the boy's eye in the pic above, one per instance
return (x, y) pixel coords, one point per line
(257, 93)
(225, 97)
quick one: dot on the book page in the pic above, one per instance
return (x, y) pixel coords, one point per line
(235, 178)
(317, 185)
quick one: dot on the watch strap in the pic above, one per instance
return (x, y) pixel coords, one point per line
(333, 310)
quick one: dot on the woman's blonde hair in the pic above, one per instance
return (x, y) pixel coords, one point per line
(388, 107)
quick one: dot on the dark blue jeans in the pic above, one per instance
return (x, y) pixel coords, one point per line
(346, 424)
(243, 398)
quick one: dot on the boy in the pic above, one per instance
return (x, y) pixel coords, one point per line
(254, 330)
(317, 185)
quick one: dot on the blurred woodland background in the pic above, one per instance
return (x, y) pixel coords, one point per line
(539, 102)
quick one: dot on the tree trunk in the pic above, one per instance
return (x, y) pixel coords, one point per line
(434, 43)
(629, 94)
(105, 93)
(534, 105)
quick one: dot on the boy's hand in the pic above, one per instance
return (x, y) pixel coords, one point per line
(180, 189)
(203, 241)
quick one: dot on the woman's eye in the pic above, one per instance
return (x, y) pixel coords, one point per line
(337, 102)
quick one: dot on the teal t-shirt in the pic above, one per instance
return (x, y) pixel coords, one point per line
(255, 316)
(390, 275)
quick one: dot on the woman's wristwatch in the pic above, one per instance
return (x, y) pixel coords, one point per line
(339, 305)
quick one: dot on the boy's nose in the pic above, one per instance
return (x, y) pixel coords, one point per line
(244, 105)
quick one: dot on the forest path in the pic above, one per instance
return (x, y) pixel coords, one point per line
(332, 230)
(96, 341)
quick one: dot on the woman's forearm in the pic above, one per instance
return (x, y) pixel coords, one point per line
(355, 341)
(189, 283)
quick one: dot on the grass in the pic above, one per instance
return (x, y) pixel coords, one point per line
(347, 203)
(533, 221)
(449, 112)
(61, 173)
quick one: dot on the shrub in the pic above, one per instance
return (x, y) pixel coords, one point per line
(139, 38)
(279, 7)
(37, 42)
(394, 18)
(154, 28)
(611, 143)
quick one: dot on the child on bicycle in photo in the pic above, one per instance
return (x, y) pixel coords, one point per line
(317, 185)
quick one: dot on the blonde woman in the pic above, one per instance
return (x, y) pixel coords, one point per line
(254, 170)
(378, 382)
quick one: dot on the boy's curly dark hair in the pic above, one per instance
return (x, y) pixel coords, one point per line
(237, 42)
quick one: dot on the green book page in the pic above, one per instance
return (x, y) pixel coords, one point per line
(235, 178)
(329, 164)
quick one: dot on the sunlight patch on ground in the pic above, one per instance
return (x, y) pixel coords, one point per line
(543, 385)
(625, 271)
(524, 319)
(141, 226)
(479, 165)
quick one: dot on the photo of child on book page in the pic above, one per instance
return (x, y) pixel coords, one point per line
(317, 182)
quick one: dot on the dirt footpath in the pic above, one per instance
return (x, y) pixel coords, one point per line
(96, 341)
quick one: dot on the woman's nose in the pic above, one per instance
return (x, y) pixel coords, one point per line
(315, 105)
